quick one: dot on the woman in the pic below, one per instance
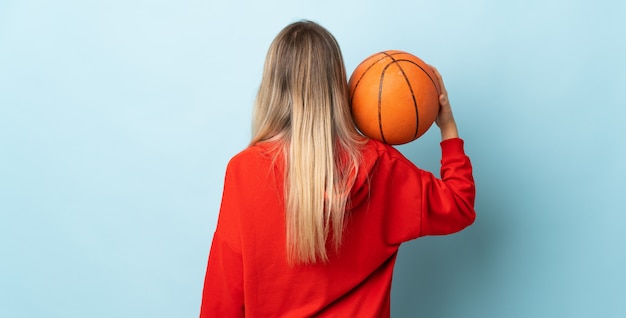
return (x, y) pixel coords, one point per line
(313, 213)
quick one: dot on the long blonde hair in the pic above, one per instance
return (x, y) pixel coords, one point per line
(303, 103)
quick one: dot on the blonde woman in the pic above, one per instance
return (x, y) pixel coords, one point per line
(312, 212)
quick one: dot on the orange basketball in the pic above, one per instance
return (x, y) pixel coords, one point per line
(394, 97)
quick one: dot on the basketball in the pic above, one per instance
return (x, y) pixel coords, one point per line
(394, 97)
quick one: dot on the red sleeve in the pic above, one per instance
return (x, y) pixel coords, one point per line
(222, 295)
(418, 203)
(448, 203)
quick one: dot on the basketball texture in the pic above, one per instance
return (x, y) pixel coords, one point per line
(394, 97)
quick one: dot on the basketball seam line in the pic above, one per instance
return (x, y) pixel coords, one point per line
(368, 68)
(417, 117)
(425, 72)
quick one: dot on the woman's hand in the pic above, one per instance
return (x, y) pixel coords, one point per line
(445, 120)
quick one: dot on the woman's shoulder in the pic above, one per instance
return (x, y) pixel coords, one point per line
(377, 155)
(256, 153)
(382, 150)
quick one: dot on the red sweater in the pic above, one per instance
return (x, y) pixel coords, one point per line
(393, 201)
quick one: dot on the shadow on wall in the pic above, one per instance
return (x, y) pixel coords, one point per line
(440, 275)
(435, 276)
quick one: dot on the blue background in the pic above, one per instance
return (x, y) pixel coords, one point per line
(117, 119)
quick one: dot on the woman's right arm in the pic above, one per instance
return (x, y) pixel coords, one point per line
(449, 201)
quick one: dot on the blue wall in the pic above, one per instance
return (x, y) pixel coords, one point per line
(117, 119)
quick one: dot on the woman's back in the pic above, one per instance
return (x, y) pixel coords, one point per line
(392, 201)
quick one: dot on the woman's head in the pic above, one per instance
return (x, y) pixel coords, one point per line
(303, 104)
(304, 80)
